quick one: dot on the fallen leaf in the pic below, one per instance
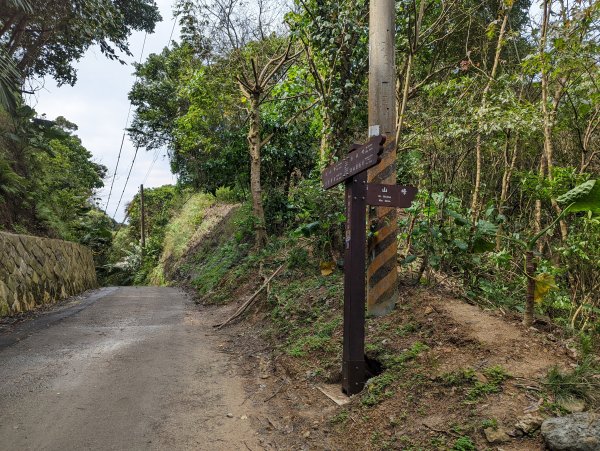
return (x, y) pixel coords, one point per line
(327, 268)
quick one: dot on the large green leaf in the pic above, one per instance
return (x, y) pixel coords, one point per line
(458, 218)
(23, 5)
(481, 245)
(486, 227)
(544, 283)
(9, 81)
(584, 197)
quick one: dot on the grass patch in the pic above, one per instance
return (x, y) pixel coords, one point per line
(214, 267)
(341, 417)
(583, 382)
(458, 378)
(464, 444)
(495, 375)
(406, 329)
(394, 362)
(319, 340)
(182, 227)
(489, 423)
(491, 383)
(378, 388)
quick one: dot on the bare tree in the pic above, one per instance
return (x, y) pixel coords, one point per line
(249, 35)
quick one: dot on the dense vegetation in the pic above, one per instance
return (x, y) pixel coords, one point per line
(48, 179)
(498, 117)
(498, 126)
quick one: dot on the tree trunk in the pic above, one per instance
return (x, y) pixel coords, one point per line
(537, 221)
(255, 185)
(549, 115)
(478, 144)
(325, 145)
(506, 176)
(528, 315)
(408, 72)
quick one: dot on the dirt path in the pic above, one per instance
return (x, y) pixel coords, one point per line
(137, 368)
(521, 352)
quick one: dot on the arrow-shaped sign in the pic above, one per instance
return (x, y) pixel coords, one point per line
(361, 159)
(390, 195)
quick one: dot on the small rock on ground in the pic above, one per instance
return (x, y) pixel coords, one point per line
(529, 423)
(575, 432)
(496, 436)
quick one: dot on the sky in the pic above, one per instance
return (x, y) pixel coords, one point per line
(98, 104)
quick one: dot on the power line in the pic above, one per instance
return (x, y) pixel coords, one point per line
(156, 152)
(126, 181)
(172, 30)
(124, 130)
(137, 147)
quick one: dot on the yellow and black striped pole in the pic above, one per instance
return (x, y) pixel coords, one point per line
(382, 277)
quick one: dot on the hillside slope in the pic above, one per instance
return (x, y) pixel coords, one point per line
(449, 370)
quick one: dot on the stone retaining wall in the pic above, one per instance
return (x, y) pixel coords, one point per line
(36, 271)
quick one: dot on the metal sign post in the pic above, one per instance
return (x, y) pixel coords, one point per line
(359, 194)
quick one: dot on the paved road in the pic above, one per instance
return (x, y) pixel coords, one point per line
(126, 369)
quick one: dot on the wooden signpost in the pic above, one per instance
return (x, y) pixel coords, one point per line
(358, 160)
(353, 171)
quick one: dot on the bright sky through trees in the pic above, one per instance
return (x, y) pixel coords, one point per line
(98, 104)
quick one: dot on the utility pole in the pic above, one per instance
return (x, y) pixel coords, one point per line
(382, 278)
(142, 218)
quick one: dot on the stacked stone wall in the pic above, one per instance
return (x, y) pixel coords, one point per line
(36, 271)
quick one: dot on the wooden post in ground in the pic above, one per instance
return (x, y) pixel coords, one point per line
(142, 219)
(353, 366)
(382, 278)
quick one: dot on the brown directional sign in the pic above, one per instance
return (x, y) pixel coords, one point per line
(390, 195)
(359, 160)
(359, 194)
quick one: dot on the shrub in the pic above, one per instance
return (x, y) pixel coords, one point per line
(226, 195)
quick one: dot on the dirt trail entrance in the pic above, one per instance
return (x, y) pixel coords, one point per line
(423, 407)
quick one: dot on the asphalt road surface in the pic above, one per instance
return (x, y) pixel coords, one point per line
(121, 369)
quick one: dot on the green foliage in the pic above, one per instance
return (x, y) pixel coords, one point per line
(70, 28)
(305, 325)
(458, 378)
(396, 362)
(464, 444)
(9, 81)
(582, 382)
(94, 230)
(181, 229)
(214, 266)
(67, 178)
(584, 197)
(446, 239)
(378, 389)
(298, 258)
(226, 195)
(495, 376)
(318, 215)
(341, 417)
(489, 423)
